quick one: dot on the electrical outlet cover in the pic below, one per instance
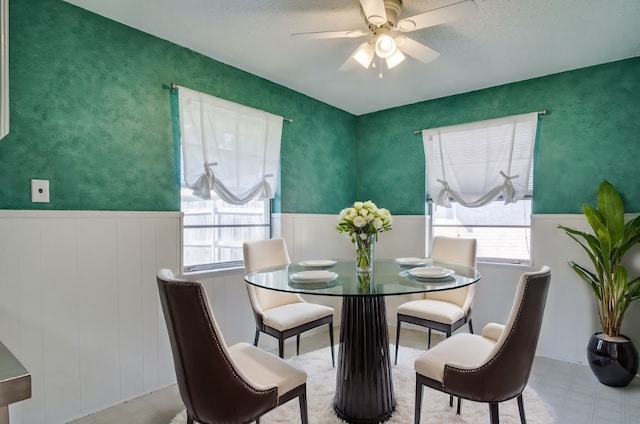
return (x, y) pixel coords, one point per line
(40, 191)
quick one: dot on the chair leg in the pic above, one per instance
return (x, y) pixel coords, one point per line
(255, 340)
(458, 409)
(418, 403)
(398, 328)
(494, 418)
(451, 401)
(429, 340)
(298, 344)
(523, 420)
(304, 416)
(258, 420)
(333, 355)
(281, 346)
(189, 420)
(470, 326)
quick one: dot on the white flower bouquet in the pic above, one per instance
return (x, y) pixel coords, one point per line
(363, 221)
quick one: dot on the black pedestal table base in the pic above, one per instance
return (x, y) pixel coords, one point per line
(364, 388)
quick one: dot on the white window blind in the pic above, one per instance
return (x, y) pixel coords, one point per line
(476, 163)
(228, 148)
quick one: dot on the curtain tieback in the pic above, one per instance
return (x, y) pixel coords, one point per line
(506, 188)
(443, 197)
(508, 192)
(205, 183)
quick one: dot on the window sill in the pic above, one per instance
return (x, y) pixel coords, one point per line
(505, 265)
(211, 273)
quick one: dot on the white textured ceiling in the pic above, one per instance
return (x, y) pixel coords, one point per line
(506, 41)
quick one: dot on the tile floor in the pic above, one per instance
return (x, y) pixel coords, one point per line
(571, 391)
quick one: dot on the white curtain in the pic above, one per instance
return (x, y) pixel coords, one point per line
(476, 163)
(228, 148)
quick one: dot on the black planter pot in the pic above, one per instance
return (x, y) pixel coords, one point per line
(614, 363)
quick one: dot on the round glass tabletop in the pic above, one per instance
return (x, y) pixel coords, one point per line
(339, 278)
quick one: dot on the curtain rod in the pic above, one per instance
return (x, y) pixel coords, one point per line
(173, 87)
(540, 112)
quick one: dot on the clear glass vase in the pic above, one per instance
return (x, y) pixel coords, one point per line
(365, 247)
(364, 281)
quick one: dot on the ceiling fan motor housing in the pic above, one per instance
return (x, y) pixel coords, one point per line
(392, 10)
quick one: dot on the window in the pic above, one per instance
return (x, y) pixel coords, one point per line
(480, 184)
(503, 231)
(213, 230)
(230, 162)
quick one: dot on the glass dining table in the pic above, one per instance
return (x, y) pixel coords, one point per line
(364, 386)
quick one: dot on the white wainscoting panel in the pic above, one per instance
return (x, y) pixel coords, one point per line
(79, 307)
(79, 304)
(312, 236)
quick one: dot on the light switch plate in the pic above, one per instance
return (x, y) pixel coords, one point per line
(40, 191)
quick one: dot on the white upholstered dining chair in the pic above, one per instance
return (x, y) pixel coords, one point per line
(281, 315)
(495, 366)
(445, 310)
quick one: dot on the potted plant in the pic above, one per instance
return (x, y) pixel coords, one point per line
(612, 357)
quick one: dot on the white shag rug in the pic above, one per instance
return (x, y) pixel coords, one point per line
(321, 382)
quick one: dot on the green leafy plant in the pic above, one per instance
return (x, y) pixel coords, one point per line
(606, 247)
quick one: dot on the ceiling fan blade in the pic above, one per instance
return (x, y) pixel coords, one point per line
(374, 11)
(329, 34)
(416, 50)
(460, 10)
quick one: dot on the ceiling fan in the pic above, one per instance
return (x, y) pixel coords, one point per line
(387, 41)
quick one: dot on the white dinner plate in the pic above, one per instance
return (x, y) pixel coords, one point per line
(318, 264)
(413, 261)
(429, 273)
(313, 276)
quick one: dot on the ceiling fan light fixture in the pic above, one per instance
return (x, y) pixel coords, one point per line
(364, 55)
(385, 45)
(395, 59)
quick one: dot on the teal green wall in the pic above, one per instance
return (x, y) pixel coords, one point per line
(591, 133)
(88, 112)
